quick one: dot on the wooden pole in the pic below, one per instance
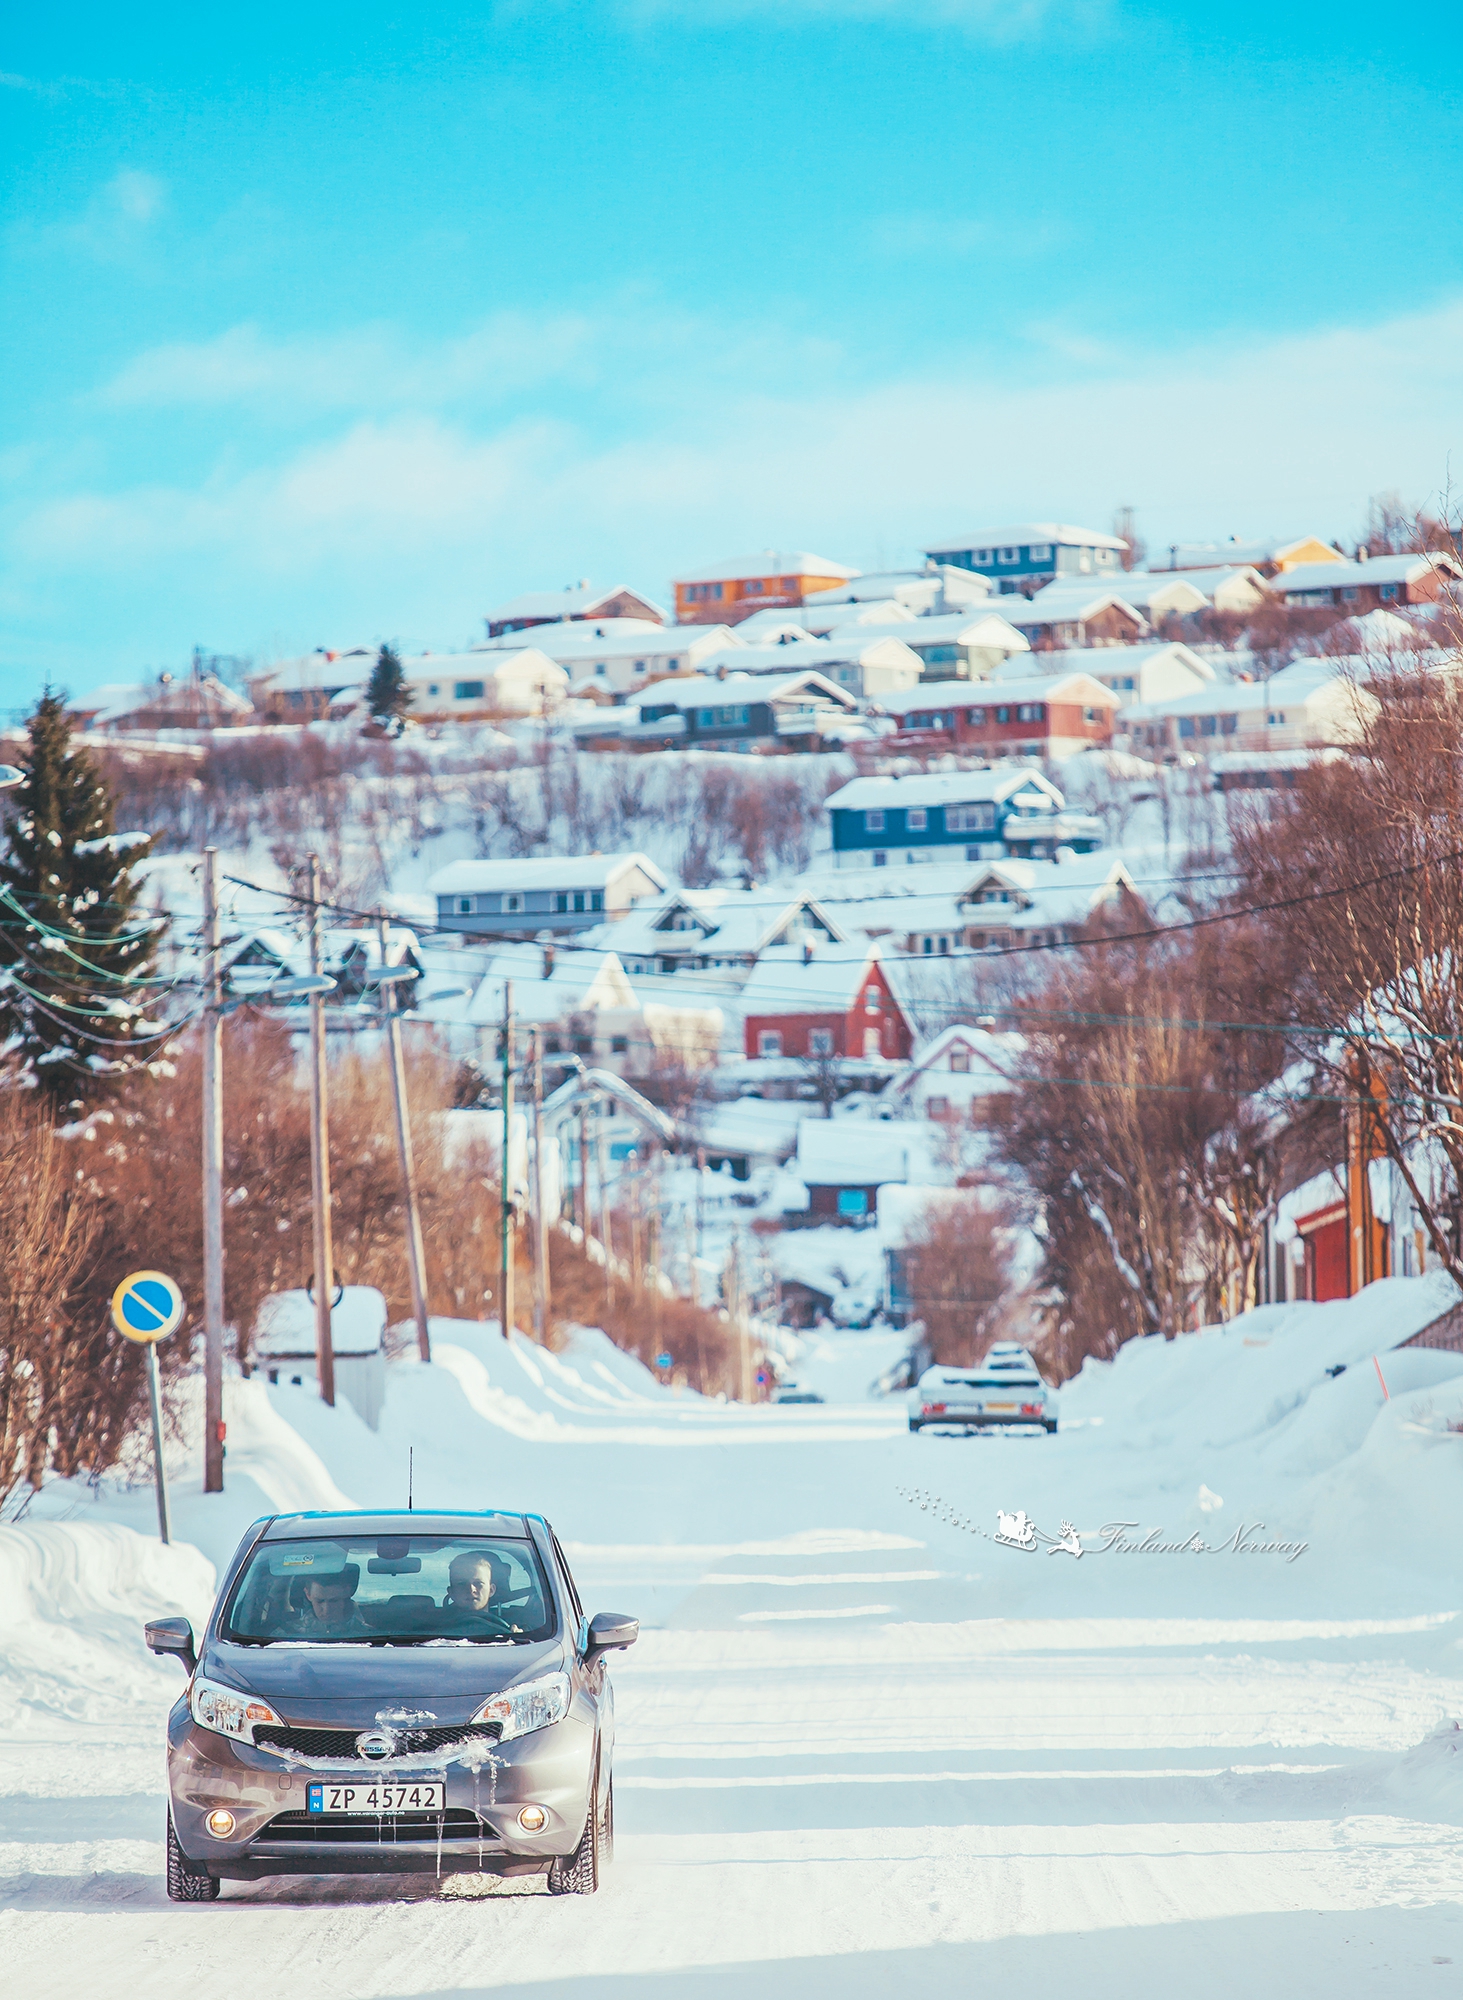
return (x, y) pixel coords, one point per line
(540, 1207)
(213, 1187)
(324, 1255)
(415, 1255)
(505, 1251)
(584, 1171)
(605, 1232)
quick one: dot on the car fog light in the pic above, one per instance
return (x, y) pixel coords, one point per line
(533, 1819)
(221, 1824)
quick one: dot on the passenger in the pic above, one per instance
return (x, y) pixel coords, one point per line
(473, 1581)
(328, 1611)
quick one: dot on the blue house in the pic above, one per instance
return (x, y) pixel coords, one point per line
(955, 816)
(1034, 553)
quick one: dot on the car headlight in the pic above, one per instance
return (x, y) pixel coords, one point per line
(532, 1705)
(228, 1710)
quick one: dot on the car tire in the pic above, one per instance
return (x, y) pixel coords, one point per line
(186, 1882)
(1051, 1427)
(915, 1424)
(577, 1874)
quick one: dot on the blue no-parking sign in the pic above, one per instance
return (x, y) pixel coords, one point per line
(147, 1306)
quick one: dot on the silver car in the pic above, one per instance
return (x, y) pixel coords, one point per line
(1004, 1390)
(393, 1692)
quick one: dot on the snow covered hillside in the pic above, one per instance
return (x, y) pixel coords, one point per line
(862, 1744)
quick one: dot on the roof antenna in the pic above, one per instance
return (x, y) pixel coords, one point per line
(410, 1468)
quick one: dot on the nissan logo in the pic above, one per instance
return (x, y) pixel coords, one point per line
(375, 1744)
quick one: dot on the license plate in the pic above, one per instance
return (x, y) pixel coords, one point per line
(378, 1799)
(1000, 1406)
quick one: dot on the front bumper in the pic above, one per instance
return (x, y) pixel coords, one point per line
(983, 1420)
(274, 1835)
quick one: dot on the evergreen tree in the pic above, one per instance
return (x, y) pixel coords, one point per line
(73, 945)
(387, 695)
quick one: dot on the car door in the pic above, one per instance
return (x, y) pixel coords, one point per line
(594, 1678)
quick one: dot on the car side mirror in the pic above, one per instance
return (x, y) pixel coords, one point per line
(172, 1635)
(610, 1632)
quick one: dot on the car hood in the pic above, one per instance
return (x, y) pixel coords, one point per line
(344, 1685)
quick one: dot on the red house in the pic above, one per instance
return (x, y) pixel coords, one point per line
(836, 1002)
(1051, 715)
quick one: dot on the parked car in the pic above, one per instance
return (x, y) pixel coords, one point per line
(393, 1692)
(790, 1392)
(1002, 1391)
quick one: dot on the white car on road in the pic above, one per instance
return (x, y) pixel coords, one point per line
(1002, 1391)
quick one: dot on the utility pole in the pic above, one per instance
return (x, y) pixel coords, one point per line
(540, 1208)
(505, 1255)
(415, 1257)
(320, 1161)
(213, 1187)
(652, 1246)
(584, 1172)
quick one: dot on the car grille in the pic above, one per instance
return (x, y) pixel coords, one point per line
(351, 1829)
(342, 1742)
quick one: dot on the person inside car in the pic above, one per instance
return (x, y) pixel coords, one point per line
(473, 1582)
(328, 1611)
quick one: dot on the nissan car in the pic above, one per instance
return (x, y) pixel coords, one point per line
(1003, 1391)
(393, 1692)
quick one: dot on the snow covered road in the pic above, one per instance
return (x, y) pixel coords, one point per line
(859, 1748)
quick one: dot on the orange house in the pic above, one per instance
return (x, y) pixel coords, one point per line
(772, 579)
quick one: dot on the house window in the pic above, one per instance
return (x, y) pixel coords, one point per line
(464, 906)
(1031, 711)
(960, 1061)
(1008, 555)
(512, 905)
(881, 859)
(1186, 725)
(769, 1042)
(1387, 592)
(873, 822)
(1041, 551)
(1003, 715)
(1208, 725)
(433, 689)
(970, 819)
(871, 1044)
(1228, 724)
(937, 1107)
(596, 899)
(584, 1045)
(600, 670)
(976, 718)
(1276, 718)
(917, 819)
(619, 1045)
(1349, 596)
(1092, 715)
(640, 666)
(820, 1042)
(468, 691)
(752, 587)
(853, 1201)
(981, 555)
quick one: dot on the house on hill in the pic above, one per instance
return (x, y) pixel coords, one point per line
(722, 930)
(1378, 582)
(1271, 557)
(520, 898)
(724, 593)
(608, 658)
(194, 701)
(820, 1004)
(578, 601)
(843, 1163)
(1024, 557)
(1076, 614)
(953, 816)
(1051, 716)
(764, 712)
(1154, 672)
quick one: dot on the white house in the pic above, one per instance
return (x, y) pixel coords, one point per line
(283, 1347)
(722, 930)
(520, 898)
(1076, 614)
(467, 687)
(865, 663)
(1238, 587)
(932, 912)
(608, 657)
(954, 1076)
(1031, 552)
(957, 645)
(1155, 672)
(584, 1005)
(931, 591)
(1311, 703)
(579, 600)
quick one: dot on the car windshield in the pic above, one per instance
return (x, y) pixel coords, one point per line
(398, 1590)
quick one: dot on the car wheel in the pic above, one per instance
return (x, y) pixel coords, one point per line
(1051, 1427)
(577, 1874)
(914, 1424)
(187, 1883)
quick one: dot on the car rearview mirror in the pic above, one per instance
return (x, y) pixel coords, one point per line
(610, 1632)
(171, 1635)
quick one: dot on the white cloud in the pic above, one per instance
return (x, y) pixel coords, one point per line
(413, 521)
(114, 224)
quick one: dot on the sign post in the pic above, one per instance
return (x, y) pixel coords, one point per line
(147, 1307)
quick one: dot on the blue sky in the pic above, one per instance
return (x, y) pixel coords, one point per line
(325, 324)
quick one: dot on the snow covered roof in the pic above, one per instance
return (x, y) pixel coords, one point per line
(423, 669)
(547, 605)
(1377, 569)
(694, 689)
(856, 1152)
(1078, 687)
(1062, 601)
(1142, 588)
(285, 1327)
(317, 671)
(607, 639)
(1300, 682)
(953, 628)
(1104, 663)
(938, 788)
(733, 922)
(814, 621)
(915, 587)
(768, 562)
(1061, 533)
(784, 982)
(1234, 552)
(583, 871)
(574, 981)
(850, 645)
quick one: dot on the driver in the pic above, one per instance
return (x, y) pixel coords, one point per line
(329, 1612)
(474, 1580)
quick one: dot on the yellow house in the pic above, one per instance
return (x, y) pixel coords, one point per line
(1270, 558)
(772, 579)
